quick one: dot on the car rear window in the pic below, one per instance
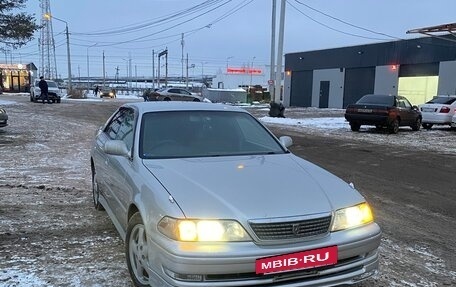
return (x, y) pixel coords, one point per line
(376, 100)
(442, 100)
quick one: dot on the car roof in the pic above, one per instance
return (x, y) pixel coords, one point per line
(145, 107)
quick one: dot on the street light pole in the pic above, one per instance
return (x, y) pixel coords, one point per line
(88, 73)
(49, 16)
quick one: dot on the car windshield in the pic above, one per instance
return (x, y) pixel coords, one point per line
(442, 100)
(52, 84)
(376, 100)
(182, 134)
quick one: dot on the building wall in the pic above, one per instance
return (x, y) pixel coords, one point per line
(447, 78)
(386, 80)
(336, 87)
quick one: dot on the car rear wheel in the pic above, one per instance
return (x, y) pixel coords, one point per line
(167, 99)
(96, 191)
(137, 251)
(393, 128)
(427, 126)
(355, 127)
(416, 126)
(196, 100)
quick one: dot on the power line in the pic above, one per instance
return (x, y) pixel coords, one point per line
(347, 23)
(334, 29)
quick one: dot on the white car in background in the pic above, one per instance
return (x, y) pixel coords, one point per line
(53, 92)
(438, 111)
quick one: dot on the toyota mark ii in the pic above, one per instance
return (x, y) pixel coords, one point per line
(205, 195)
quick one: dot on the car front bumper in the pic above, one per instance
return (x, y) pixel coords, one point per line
(233, 264)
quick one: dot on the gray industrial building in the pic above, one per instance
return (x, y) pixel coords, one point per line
(418, 69)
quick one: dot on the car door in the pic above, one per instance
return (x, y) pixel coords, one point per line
(174, 95)
(407, 112)
(121, 128)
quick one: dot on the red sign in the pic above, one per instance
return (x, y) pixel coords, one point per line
(244, 71)
(299, 260)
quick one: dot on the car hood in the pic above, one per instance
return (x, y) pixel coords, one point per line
(251, 187)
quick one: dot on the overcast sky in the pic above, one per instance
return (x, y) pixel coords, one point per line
(218, 32)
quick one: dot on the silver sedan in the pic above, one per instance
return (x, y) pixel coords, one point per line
(204, 195)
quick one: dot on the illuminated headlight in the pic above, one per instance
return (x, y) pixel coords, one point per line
(111, 94)
(202, 230)
(351, 217)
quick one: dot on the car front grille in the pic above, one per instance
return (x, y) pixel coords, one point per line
(292, 229)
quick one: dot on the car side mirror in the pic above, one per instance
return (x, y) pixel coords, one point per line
(116, 147)
(286, 141)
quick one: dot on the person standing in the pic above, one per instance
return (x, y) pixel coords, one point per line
(44, 90)
(96, 90)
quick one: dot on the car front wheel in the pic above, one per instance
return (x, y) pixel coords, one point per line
(417, 125)
(137, 251)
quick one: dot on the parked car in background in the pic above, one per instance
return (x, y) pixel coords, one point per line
(205, 195)
(174, 94)
(53, 92)
(107, 92)
(383, 111)
(3, 118)
(438, 111)
(453, 122)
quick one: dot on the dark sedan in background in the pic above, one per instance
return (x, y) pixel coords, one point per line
(383, 111)
(3, 118)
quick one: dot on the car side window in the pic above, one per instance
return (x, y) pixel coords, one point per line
(174, 91)
(121, 127)
(404, 103)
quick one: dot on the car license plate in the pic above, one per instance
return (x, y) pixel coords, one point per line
(295, 261)
(428, 110)
(365, 110)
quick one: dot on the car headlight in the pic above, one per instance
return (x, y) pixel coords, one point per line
(351, 217)
(2, 111)
(202, 230)
(111, 94)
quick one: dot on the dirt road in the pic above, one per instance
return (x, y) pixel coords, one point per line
(50, 235)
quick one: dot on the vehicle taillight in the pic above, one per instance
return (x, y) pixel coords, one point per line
(445, 110)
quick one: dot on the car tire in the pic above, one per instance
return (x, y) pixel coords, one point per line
(378, 127)
(58, 101)
(355, 127)
(417, 125)
(427, 126)
(393, 127)
(96, 191)
(167, 99)
(196, 100)
(136, 250)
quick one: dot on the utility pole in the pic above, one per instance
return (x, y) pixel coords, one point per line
(153, 69)
(272, 65)
(186, 65)
(166, 68)
(104, 75)
(182, 59)
(278, 79)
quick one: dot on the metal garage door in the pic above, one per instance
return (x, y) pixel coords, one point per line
(358, 82)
